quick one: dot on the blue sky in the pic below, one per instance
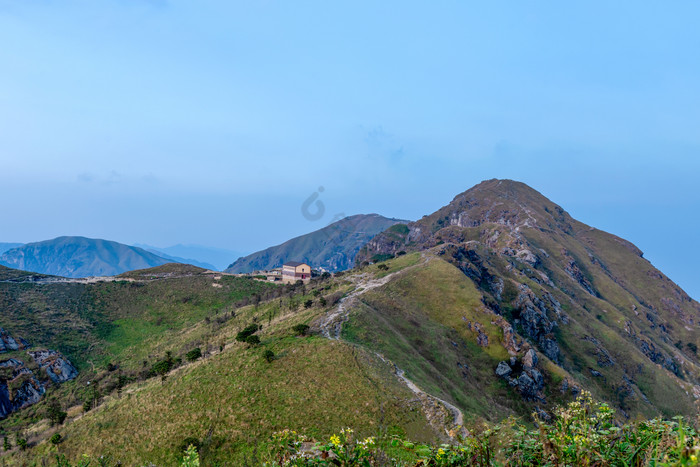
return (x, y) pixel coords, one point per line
(210, 122)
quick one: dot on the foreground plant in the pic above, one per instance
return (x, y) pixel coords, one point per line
(583, 433)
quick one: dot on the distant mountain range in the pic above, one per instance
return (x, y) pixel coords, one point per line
(177, 259)
(79, 257)
(8, 246)
(198, 255)
(333, 247)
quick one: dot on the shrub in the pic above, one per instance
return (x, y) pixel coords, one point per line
(308, 303)
(383, 267)
(193, 354)
(252, 340)
(161, 367)
(269, 355)
(56, 439)
(247, 332)
(300, 329)
(22, 443)
(378, 258)
(6, 444)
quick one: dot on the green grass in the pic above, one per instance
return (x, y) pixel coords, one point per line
(314, 385)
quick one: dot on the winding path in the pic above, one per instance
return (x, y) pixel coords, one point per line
(332, 323)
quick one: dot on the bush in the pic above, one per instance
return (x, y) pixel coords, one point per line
(252, 340)
(383, 267)
(248, 331)
(56, 439)
(269, 355)
(300, 329)
(161, 367)
(193, 354)
(6, 444)
(308, 303)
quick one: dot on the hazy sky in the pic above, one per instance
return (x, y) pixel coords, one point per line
(210, 122)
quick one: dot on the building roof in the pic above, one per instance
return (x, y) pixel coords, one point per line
(293, 263)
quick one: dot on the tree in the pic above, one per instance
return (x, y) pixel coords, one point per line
(300, 329)
(269, 355)
(54, 413)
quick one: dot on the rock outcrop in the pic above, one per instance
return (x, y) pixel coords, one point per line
(9, 343)
(57, 367)
(530, 382)
(20, 387)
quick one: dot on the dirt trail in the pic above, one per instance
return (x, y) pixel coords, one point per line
(331, 327)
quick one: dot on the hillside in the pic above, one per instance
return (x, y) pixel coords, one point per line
(333, 247)
(498, 305)
(79, 257)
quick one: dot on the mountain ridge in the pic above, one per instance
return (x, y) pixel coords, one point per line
(333, 247)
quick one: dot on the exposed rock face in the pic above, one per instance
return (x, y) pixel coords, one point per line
(535, 323)
(9, 343)
(28, 389)
(58, 368)
(20, 387)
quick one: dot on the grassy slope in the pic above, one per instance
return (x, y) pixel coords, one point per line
(419, 321)
(121, 321)
(314, 385)
(605, 318)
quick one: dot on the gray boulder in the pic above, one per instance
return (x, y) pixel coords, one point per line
(503, 370)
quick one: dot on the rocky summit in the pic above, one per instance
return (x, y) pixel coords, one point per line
(584, 299)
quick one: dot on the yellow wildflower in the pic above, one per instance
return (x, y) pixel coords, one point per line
(335, 439)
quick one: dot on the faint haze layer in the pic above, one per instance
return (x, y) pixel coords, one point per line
(210, 123)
